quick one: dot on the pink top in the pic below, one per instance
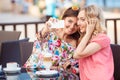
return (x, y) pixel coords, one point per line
(98, 66)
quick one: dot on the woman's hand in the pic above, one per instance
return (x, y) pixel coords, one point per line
(51, 22)
(46, 29)
(91, 24)
(48, 25)
(67, 65)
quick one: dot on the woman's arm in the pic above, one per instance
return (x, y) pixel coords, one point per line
(85, 48)
(43, 32)
(46, 29)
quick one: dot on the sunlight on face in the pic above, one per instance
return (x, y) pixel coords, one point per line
(70, 25)
(82, 21)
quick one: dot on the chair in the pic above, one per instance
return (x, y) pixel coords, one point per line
(10, 52)
(116, 56)
(8, 36)
(26, 50)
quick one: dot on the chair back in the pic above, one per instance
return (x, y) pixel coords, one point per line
(116, 56)
(8, 36)
(26, 50)
(10, 52)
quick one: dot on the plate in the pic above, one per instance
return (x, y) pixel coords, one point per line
(47, 73)
(8, 70)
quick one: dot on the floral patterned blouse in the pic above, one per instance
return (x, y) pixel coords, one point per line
(61, 51)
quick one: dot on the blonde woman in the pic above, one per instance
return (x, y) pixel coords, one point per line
(93, 51)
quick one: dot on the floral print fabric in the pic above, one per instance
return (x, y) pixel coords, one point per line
(61, 51)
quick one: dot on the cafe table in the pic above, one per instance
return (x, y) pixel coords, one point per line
(30, 74)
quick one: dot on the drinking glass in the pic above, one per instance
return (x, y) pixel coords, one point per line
(47, 61)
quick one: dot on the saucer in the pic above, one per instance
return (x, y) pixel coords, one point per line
(47, 73)
(8, 70)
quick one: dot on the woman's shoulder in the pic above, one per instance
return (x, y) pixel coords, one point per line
(102, 39)
(101, 36)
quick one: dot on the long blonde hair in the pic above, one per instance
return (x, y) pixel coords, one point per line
(93, 11)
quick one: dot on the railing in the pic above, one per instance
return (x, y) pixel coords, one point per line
(114, 20)
(3, 25)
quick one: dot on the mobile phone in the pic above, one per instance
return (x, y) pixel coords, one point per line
(58, 24)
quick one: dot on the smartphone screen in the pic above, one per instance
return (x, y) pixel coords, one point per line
(58, 24)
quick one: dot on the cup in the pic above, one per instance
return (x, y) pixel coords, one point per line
(12, 65)
(47, 61)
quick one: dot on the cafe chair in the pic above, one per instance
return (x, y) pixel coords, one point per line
(10, 52)
(116, 56)
(9, 36)
(26, 50)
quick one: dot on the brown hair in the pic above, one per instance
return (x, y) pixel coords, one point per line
(70, 12)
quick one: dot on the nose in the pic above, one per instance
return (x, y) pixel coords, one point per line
(72, 26)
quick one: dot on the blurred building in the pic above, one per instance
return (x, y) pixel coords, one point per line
(108, 5)
(54, 8)
(17, 6)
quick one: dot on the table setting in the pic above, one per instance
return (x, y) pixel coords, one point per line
(13, 71)
(45, 72)
(50, 74)
(36, 74)
(47, 62)
(12, 67)
(10, 72)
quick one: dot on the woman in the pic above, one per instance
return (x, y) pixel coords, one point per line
(60, 42)
(93, 51)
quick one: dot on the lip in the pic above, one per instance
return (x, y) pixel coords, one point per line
(70, 30)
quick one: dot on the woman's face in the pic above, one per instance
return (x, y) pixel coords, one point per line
(70, 25)
(82, 21)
